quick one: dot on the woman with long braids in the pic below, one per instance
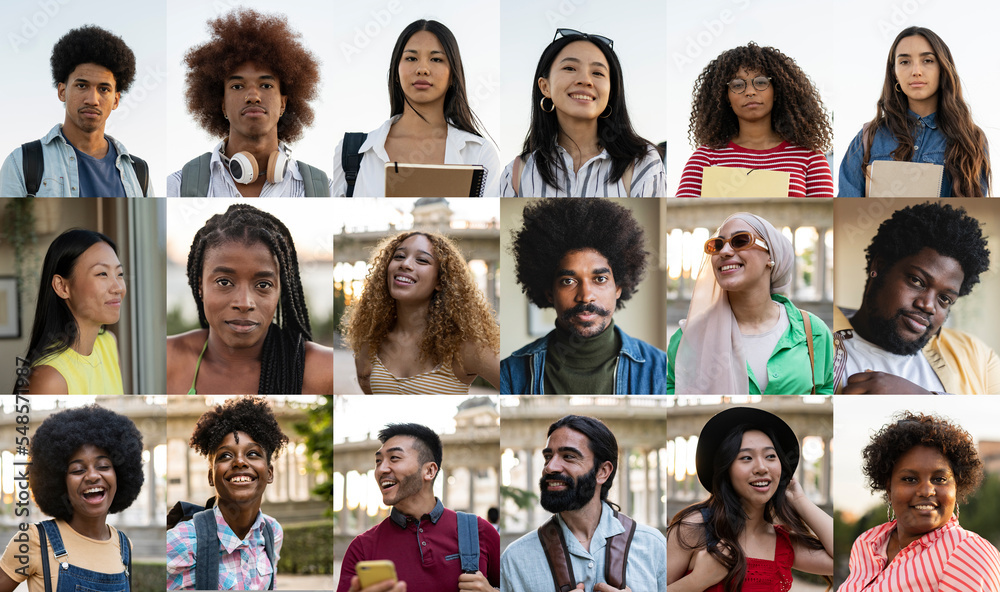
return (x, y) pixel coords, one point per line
(921, 117)
(243, 269)
(421, 325)
(757, 522)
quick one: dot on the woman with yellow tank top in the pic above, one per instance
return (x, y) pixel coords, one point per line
(80, 292)
(421, 325)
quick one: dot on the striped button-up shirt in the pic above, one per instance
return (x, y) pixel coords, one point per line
(649, 179)
(949, 558)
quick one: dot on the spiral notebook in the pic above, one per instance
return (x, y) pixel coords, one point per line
(434, 180)
(891, 178)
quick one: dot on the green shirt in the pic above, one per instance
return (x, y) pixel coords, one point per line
(582, 366)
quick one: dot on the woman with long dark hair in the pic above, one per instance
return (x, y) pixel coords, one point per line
(255, 337)
(581, 142)
(81, 291)
(921, 117)
(757, 522)
(430, 119)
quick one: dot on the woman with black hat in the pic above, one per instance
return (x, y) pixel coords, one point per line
(757, 522)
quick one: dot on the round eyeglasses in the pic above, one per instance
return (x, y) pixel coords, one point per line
(739, 86)
(739, 241)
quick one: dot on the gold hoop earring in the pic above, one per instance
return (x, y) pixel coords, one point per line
(956, 510)
(898, 89)
(609, 110)
(542, 105)
(889, 513)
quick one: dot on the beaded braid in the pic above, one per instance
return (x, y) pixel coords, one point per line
(282, 365)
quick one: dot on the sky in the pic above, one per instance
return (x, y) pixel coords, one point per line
(434, 411)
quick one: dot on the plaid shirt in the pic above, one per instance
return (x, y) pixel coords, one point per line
(243, 564)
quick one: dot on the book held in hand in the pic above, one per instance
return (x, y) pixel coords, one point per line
(434, 180)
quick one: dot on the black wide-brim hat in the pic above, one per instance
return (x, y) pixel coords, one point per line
(720, 426)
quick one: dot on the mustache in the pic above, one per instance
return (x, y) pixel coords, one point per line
(585, 307)
(555, 477)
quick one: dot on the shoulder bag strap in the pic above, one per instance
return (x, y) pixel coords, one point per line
(43, 546)
(317, 184)
(809, 341)
(206, 566)
(468, 541)
(269, 550)
(196, 176)
(616, 553)
(33, 166)
(554, 544)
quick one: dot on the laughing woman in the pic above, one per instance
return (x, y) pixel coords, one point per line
(581, 142)
(86, 463)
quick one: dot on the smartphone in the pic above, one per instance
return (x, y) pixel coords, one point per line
(373, 572)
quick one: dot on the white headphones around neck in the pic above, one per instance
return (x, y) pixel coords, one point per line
(244, 169)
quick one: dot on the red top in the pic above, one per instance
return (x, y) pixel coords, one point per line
(768, 575)
(809, 172)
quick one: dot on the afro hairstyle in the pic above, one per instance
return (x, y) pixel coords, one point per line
(93, 45)
(251, 415)
(62, 434)
(242, 36)
(916, 429)
(949, 231)
(554, 227)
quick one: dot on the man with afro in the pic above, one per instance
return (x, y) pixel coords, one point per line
(250, 85)
(239, 438)
(920, 262)
(584, 258)
(91, 68)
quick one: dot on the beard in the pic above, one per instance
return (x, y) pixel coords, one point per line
(578, 493)
(885, 330)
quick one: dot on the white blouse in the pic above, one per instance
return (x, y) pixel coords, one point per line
(649, 178)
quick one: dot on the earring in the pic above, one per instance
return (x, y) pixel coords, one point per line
(897, 87)
(956, 510)
(872, 274)
(609, 111)
(770, 263)
(226, 116)
(890, 513)
(542, 105)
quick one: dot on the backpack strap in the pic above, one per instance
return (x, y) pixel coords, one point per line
(468, 542)
(195, 178)
(141, 173)
(809, 342)
(316, 182)
(33, 166)
(616, 552)
(269, 550)
(553, 542)
(627, 180)
(206, 566)
(350, 158)
(126, 556)
(515, 177)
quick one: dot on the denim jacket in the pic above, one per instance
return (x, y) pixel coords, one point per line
(61, 177)
(929, 146)
(641, 369)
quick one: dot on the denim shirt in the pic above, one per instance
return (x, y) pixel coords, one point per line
(61, 177)
(642, 368)
(929, 146)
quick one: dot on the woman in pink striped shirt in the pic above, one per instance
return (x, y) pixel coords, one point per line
(754, 108)
(925, 466)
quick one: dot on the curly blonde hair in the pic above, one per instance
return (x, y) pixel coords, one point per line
(458, 310)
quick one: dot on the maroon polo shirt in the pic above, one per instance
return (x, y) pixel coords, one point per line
(425, 551)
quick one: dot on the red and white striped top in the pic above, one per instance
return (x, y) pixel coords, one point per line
(949, 559)
(810, 172)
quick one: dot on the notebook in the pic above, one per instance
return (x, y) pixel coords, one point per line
(738, 182)
(434, 180)
(893, 178)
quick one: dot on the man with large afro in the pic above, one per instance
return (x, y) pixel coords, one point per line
(91, 68)
(584, 258)
(239, 438)
(920, 262)
(250, 85)
(86, 463)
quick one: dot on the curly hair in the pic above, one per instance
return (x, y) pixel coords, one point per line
(242, 36)
(251, 415)
(797, 116)
(554, 227)
(62, 434)
(93, 45)
(916, 429)
(458, 312)
(966, 157)
(949, 231)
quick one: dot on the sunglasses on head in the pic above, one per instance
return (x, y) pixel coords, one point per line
(568, 32)
(739, 241)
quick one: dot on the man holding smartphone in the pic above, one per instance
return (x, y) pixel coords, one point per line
(420, 536)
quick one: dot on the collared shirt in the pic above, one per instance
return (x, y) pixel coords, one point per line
(964, 364)
(221, 183)
(61, 175)
(524, 567)
(929, 145)
(460, 147)
(809, 172)
(424, 551)
(788, 367)
(243, 563)
(949, 558)
(649, 178)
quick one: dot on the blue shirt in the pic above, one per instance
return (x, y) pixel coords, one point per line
(98, 176)
(524, 567)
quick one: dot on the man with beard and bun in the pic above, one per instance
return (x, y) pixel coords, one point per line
(420, 536)
(920, 262)
(585, 258)
(581, 458)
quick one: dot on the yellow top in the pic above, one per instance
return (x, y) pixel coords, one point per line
(96, 374)
(81, 551)
(439, 381)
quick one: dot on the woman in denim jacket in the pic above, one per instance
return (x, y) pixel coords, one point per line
(921, 117)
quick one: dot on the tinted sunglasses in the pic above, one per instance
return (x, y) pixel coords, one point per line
(568, 32)
(739, 241)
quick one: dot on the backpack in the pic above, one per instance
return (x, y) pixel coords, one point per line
(350, 158)
(553, 542)
(197, 174)
(468, 542)
(33, 167)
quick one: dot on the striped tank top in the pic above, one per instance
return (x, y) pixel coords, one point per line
(439, 381)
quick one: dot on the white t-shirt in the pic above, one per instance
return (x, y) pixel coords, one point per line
(864, 356)
(760, 347)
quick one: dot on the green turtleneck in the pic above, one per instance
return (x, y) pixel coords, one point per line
(577, 365)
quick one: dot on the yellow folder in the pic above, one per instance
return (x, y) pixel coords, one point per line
(737, 182)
